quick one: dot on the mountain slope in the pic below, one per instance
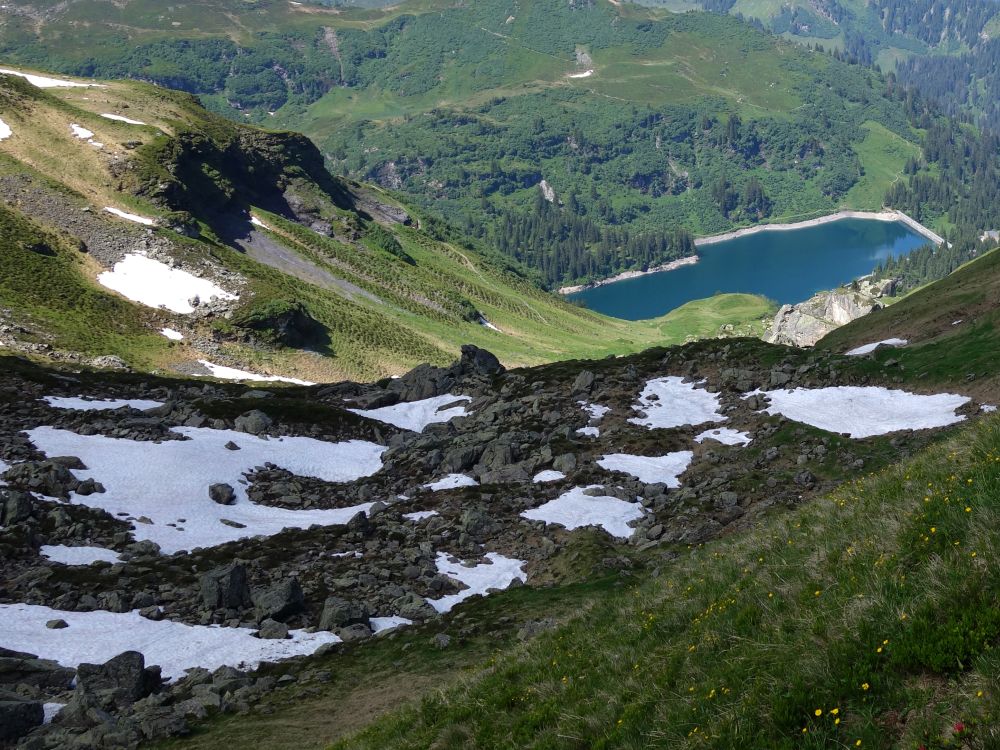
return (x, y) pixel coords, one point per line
(334, 279)
(645, 126)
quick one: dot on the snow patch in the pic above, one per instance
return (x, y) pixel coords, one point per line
(863, 411)
(258, 223)
(584, 74)
(5, 131)
(416, 415)
(450, 482)
(499, 573)
(171, 334)
(574, 510)
(650, 469)
(81, 132)
(130, 217)
(378, 624)
(51, 710)
(44, 82)
(121, 118)
(60, 553)
(596, 411)
(589, 431)
(725, 435)
(95, 637)
(231, 373)
(106, 404)
(985, 409)
(486, 324)
(670, 402)
(549, 475)
(155, 284)
(868, 348)
(163, 487)
(419, 515)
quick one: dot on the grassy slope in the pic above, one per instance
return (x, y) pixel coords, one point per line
(927, 318)
(865, 619)
(368, 339)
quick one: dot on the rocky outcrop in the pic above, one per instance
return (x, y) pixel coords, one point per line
(807, 322)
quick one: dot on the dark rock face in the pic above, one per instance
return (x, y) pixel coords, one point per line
(18, 716)
(121, 680)
(280, 601)
(226, 588)
(284, 323)
(222, 493)
(479, 361)
(18, 668)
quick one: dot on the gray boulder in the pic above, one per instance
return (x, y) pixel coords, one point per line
(122, 680)
(273, 630)
(280, 601)
(222, 493)
(253, 422)
(50, 478)
(226, 587)
(18, 716)
(338, 613)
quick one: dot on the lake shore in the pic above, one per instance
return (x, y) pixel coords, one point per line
(747, 231)
(625, 275)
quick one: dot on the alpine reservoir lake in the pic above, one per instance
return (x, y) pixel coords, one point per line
(787, 266)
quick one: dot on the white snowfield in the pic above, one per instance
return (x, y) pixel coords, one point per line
(574, 510)
(44, 82)
(650, 469)
(596, 411)
(106, 404)
(5, 131)
(122, 118)
(450, 482)
(419, 515)
(548, 475)
(724, 435)
(95, 637)
(155, 284)
(670, 402)
(258, 223)
(163, 487)
(584, 74)
(589, 431)
(868, 348)
(145, 221)
(60, 553)
(171, 334)
(378, 624)
(81, 132)
(863, 411)
(498, 573)
(416, 415)
(231, 373)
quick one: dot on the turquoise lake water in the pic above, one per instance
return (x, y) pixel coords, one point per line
(786, 266)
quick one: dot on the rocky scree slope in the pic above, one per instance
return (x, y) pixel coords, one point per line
(477, 478)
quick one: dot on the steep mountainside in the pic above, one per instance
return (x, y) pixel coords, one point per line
(580, 138)
(313, 276)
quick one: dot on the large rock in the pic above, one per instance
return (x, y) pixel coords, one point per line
(253, 422)
(226, 587)
(338, 613)
(122, 680)
(18, 668)
(222, 493)
(280, 601)
(807, 322)
(15, 506)
(479, 361)
(18, 716)
(50, 478)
